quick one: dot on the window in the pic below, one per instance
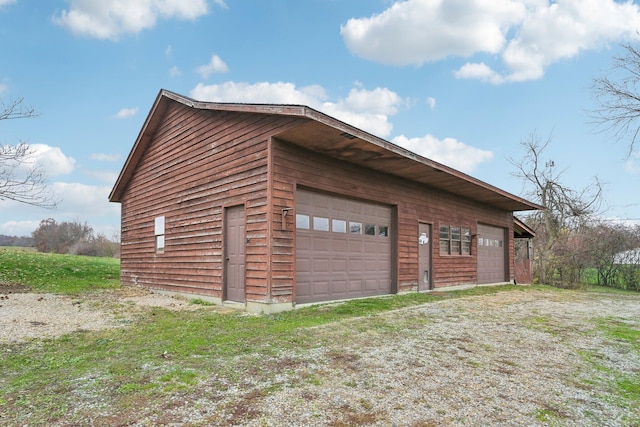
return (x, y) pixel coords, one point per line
(158, 230)
(320, 223)
(302, 221)
(370, 229)
(338, 226)
(455, 240)
(444, 239)
(466, 241)
(355, 227)
(383, 231)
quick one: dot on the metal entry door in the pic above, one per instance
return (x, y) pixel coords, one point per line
(234, 254)
(424, 254)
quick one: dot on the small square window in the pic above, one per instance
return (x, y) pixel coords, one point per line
(444, 232)
(159, 225)
(160, 243)
(338, 226)
(370, 229)
(383, 231)
(302, 221)
(355, 227)
(320, 223)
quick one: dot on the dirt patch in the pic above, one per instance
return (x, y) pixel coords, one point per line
(26, 315)
(13, 288)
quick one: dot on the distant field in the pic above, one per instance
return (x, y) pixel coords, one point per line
(68, 274)
(18, 248)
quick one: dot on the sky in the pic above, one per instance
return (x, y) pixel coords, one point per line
(461, 82)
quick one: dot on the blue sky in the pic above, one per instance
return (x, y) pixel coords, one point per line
(461, 82)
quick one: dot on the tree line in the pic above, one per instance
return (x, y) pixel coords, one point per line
(74, 238)
(573, 235)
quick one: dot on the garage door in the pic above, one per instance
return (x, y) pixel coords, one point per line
(343, 248)
(491, 254)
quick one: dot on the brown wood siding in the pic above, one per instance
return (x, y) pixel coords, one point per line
(198, 163)
(415, 203)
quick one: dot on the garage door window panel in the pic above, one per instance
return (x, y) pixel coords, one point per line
(370, 229)
(320, 223)
(302, 222)
(355, 227)
(338, 226)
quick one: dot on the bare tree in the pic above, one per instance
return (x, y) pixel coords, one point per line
(565, 209)
(618, 96)
(21, 179)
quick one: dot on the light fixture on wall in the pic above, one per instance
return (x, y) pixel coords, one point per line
(285, 211)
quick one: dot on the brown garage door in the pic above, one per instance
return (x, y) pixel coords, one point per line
(343, 248)
(491, 254)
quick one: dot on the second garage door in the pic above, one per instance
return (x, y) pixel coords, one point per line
(343, 248)
(491, 254)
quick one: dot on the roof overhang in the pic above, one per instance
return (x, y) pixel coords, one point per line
(522, 230)
(329, 136)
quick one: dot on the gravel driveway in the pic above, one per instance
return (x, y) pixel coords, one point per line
(510, 359)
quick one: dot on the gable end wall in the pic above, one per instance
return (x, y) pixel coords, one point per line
(198, 163)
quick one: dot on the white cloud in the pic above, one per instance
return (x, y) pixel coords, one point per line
(6, 2)
(479, 71)
(221, 3)
(3, 88)
(526, 35)
(431, 101)
(83, 201)
(125, 113)
(109, 19)
(19, 228)
(366, 109)
(448, 151)
(168, 51)
(417, 31)
(215, 65)
(76, 202)
(369, 110)
(105, 157)
(107, 177)
(52, 160)
(174, 71)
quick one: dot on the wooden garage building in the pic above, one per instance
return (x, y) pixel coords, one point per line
(277, 205)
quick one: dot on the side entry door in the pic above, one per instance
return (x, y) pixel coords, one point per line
(234, 267)
(424, 254)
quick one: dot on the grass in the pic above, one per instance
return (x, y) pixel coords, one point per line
(167, 355)
(65, 274)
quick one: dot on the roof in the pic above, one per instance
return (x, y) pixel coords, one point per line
(522, 230)
(326, 135)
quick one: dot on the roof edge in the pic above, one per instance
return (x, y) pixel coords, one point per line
(165, 95)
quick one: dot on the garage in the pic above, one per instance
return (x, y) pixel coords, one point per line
(492, 254)
(343, 248)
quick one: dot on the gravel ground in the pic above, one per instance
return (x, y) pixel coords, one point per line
(25, 315)
(510, 359)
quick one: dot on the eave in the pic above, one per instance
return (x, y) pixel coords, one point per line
(329, 136)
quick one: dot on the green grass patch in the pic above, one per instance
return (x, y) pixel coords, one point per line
(619, 330)
(200, 301)
(65, 274)
(164, 352)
